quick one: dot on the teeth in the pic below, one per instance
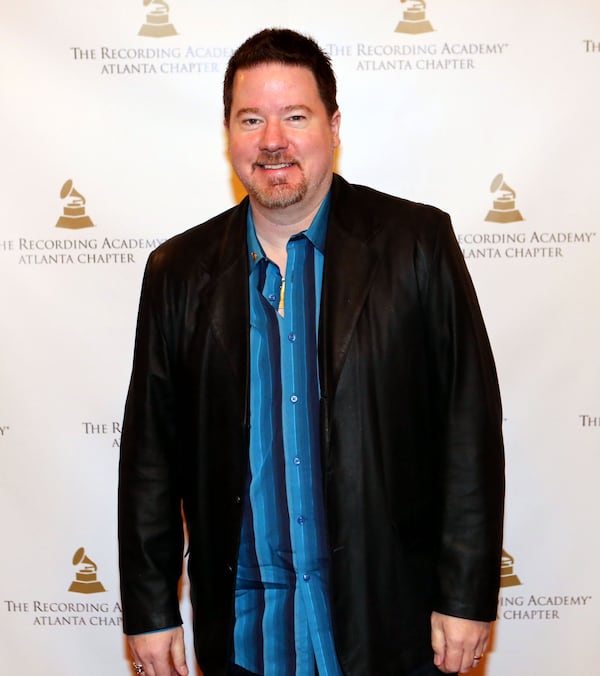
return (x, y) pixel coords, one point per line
(276, 166)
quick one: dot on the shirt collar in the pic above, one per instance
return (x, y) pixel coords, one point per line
(316, 232)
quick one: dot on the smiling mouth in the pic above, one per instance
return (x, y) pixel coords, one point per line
(274, 161)
(272, 167)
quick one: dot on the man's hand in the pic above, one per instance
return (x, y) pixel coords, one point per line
(458, 644)
(161, 653)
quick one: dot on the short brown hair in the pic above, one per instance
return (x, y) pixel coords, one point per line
(281, 45)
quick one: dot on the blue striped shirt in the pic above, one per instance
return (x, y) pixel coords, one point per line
(282, 613)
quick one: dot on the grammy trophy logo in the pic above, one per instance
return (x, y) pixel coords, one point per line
(508, 578)
(503, 210)
(414, 20)
(73, 216)
(85, 581)
(157, 20)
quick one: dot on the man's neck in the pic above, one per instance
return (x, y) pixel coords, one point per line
(274, 231)
(275, 227)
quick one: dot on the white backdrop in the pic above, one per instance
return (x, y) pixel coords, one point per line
(111, 118)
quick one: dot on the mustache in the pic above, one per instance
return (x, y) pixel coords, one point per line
(277, 157)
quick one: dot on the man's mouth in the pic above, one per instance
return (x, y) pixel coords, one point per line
(282, 165)
(274, 162)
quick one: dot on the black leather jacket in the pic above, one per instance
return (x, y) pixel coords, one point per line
(412, 451)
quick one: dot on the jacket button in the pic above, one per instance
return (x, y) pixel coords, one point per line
(238, 499)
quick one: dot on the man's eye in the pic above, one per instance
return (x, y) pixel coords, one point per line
(250, 122)
(297, 118)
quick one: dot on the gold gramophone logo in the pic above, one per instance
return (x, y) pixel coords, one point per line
(503, 210)
(73, 216)
(508, 577)
(157, 20)
(85, 581)
(414, 19)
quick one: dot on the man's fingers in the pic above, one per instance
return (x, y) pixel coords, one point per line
(178, 654)
(456, 658)
(438, 643)
(458, 644)
(160, 653)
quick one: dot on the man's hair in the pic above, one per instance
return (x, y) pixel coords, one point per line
(281, 45)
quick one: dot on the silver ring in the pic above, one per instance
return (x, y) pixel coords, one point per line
(478, 657)
(139, 668)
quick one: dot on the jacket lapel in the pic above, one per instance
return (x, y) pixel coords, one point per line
(349, 267)
(229, 311)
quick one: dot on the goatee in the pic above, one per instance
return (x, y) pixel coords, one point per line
(278, 195)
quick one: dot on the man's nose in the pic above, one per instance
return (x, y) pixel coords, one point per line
(273, 137)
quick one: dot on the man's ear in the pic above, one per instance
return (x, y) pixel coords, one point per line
(335, 122)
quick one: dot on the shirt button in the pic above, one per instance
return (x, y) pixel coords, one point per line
(306, 577)
(272, 297)
(292, 337)
(300, 520)
(296, 460)
(294, 398)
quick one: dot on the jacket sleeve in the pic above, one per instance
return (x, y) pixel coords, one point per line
(149, 512)
(471, 458)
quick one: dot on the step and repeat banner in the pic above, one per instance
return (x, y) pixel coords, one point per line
(112, 141)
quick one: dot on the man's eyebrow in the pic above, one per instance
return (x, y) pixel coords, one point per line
(247, 111)
(285, 110)
(299, 106)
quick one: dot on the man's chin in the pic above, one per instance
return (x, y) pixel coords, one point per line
(278, 197)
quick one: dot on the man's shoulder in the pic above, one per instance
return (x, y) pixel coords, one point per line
(204, 244)
(376, 209)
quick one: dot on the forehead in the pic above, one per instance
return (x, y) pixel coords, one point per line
(272, 83)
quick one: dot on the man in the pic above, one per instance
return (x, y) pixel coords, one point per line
(313, 382)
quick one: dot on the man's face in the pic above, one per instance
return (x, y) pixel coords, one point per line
(281, 140)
